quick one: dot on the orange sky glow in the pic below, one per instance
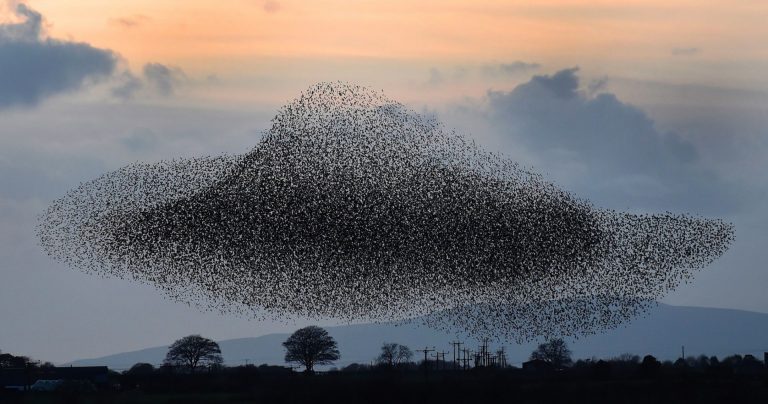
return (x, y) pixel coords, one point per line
(194, 32)
(395, 43)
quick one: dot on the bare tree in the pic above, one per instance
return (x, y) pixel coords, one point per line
(555, 352)
(311, 346)
(394, 354)
(193, 351)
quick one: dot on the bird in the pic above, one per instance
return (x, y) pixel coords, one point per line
(354, 207)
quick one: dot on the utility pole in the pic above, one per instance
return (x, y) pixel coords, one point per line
(439, 354)
(466, 358)
(485, 355)
(683, 357)
(456, 350)
(502, 357)
(426, 351)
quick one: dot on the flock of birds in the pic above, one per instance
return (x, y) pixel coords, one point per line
(355, 208)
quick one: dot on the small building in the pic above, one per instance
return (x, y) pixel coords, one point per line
(97, 375)
(46, 385)
(22, 378)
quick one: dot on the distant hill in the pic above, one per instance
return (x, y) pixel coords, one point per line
(661, 333)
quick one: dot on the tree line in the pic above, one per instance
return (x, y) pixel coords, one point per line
(312, 346)
(194, 365)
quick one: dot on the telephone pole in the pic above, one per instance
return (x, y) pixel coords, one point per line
(438, 355)
(502, 357)
(466, 358)
(426, 351)
(456, 350)
(484, 356)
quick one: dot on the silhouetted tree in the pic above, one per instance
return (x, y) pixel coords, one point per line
(650, 366)
(193, 351)
(627, 358)
(311, 346)
(12, 361)
(394, 354)
(750, 365)
(602, 369)
(555, 352)
(141, 369)
(681, 363)
(356, 367)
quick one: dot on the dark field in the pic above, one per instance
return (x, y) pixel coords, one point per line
(252, 385)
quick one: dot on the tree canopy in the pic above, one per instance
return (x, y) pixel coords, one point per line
(194, 351)
(310, 346)
(555, 352)
(394, 354)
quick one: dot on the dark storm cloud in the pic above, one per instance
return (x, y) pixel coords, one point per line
(33, 67)
(618, 143)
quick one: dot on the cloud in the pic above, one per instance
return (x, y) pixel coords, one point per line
(156, 78)
(162, 78)
(33, 67)
(28, 30)
(271, 6)
(130, 22)
(617, 147)
(596, 86)
(685, 51)
(505, 69)
(128, 86)
(435, 77)
(439, 76)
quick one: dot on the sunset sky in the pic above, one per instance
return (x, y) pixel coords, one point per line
(644, 106)
(394, 43)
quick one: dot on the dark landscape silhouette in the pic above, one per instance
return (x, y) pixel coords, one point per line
(661, 333)
(193, 372)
